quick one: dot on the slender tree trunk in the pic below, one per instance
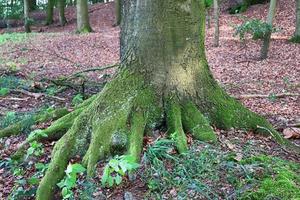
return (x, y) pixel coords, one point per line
(118, 12)
(267, 39)
(208, 18)
(296, 37)
(33, 5)
(61, 4)
(26, 16)
(50, 10)
(164, 77)
(83, 24)
(217, 22)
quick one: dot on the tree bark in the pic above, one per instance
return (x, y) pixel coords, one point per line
(50, 10)
(61, 4)
(83, 24)
(163, 77)
(26, 16)
(267, 39)
(217, 22)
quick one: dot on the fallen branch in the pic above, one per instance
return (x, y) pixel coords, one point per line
(38, 95)
(280, 95)
(76, 74)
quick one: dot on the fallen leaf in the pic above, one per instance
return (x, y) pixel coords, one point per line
(291, 133)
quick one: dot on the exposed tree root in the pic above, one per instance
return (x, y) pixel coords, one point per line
(17, 128)
(56, 130)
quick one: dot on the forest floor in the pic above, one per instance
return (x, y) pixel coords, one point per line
(36, 63)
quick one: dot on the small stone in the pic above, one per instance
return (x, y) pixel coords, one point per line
(131, 177)
(128, 196)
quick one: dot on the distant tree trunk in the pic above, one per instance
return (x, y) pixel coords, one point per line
(267, 39)
(83, 24)
(208, 18)
(61, 4)
(32, 5)
(217, 22)
(50, 8)
(118, 12)
(296, 37)
(26, 16)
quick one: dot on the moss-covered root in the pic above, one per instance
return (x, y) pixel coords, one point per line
(138, 123)
(17, 128)
(174, 123)
(195, 123)
(60, 158)
(53, 132)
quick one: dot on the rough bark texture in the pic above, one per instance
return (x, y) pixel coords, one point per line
(26, 16)
(61, 4)
(267, 39)
(163, 79)
(83, 24)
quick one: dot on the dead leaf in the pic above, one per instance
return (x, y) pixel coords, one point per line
(291, 133)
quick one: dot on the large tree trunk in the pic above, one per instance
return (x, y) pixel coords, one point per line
(61, 4)
(163, 77)
(267, 39)
(83, 24)
(26, 16)
(50, 10)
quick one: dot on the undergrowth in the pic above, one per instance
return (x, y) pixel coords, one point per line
(207, 172)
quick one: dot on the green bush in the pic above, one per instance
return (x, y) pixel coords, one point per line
(258, 29)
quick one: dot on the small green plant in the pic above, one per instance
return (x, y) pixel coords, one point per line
(258, 29)
(69, 182)
(77, 99)
(4, 91)
(116, 168)
(35, 149)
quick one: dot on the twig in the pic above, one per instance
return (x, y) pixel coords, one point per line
(280, 95)
(94, 69)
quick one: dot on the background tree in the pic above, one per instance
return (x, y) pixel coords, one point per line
(32, 5)
(296, 37)
(83, 24)
(118, 12)
(50, 10)
(267, 39)
(61, 4)
(217, 22)
(26, 16)
(163, 77)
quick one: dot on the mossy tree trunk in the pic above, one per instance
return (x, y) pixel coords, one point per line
(61, 4)
(217, 22)
(267, 39)
(83, 24)
(164, 78)
(50, 10)
(26, 16)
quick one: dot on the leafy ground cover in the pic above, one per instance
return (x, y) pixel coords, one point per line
(241, 166)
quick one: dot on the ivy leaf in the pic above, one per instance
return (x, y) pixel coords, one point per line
(105, 176)
(78, 168)
(110, 181)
